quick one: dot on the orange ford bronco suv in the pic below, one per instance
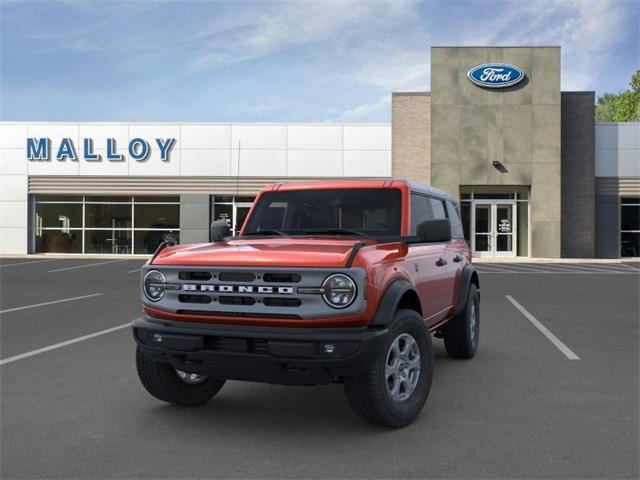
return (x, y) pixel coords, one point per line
(332, 281)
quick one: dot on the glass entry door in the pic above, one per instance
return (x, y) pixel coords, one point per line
(240, 212)
(494, 229)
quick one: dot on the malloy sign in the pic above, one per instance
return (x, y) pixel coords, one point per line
(40, 149)
(495, 75)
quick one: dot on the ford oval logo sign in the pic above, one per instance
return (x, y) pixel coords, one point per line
(495, 75)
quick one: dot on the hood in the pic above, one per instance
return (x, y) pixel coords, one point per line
(271, 252)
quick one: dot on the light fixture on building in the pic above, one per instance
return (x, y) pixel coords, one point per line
(499, 166)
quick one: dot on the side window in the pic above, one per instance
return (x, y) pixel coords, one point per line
(454, 217)
(437, 207)
(420, 211)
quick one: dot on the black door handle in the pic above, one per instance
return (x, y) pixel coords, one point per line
(457, 259)
(441, 262)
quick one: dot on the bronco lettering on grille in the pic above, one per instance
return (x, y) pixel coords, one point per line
(193, 287)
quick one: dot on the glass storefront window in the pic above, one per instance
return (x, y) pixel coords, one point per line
(107, 241)
(110, 224)
(630, 227)
(157, 216)
(630, 244)
(59, 215)
(147, 242)
(104, 215)
(58, 241)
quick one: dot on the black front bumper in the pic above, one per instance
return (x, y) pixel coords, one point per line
(288, 356)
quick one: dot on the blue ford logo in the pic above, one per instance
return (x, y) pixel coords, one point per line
(495, 75)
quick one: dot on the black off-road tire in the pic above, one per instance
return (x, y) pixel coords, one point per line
(368, 394)
(460, 335)
(161, 380)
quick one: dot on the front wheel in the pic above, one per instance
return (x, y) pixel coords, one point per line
(175, 386)
(392, 390)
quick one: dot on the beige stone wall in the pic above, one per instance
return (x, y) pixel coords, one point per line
(519, 126)
(410, 136)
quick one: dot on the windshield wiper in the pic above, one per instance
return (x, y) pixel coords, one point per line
(266, 231)
(336, 231)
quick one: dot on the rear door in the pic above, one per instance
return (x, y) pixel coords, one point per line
(446, 258)
(459, 247)
(430, 271)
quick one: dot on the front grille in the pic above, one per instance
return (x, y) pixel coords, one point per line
(236, 277)
(282, 302)
(194, 298)
(282, 277)
(196, 276)
(233, 300)
(252, 292)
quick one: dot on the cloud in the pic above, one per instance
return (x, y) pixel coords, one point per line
(366, 111)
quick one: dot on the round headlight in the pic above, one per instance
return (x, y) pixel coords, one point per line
(153, 285)
(339, 291)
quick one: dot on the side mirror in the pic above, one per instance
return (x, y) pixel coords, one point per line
(435, 230)
(219, 230)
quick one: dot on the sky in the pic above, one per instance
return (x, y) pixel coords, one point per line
(279, 61)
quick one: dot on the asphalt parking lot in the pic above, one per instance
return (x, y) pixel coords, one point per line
(552, 393)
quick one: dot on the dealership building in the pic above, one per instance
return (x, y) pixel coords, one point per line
(535, 174)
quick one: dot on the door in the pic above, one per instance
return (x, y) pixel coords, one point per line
(494, 228)
(240, 212)
(504, 219)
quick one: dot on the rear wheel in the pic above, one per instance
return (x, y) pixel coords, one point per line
(393, 389)
(175, 386)
(461, 334)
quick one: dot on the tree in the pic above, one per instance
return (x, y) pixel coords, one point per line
(621, 107)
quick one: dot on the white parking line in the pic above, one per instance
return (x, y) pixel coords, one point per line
(15, 358)
(544, 330)
(35, 305)
(87, 265)
(525, 268)
(134, 271)
(27, 263)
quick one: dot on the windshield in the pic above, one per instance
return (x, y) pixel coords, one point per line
(358, 211)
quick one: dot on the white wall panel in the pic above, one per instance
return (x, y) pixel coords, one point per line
(153, 165)
(314, 163)
(13, 240)
(606, 162)
(151, 132)
(618, 150)
(314, 137)
(13, 135)
(629, 162)
(13, 161)
(52, 167)
(99, 135)
(367, 163)
(13, 214)
(259, 163)
(259, 136)
(367, 137)
(629, 135)
(606, 136)
(13, 188)
(54, 132)
(205, 163)
(104, 166)
(205, 136)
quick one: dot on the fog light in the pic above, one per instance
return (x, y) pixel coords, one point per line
(329, 348)
(157, 338)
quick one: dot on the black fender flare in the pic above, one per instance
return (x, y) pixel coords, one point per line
(389, 302)
(469, 276)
